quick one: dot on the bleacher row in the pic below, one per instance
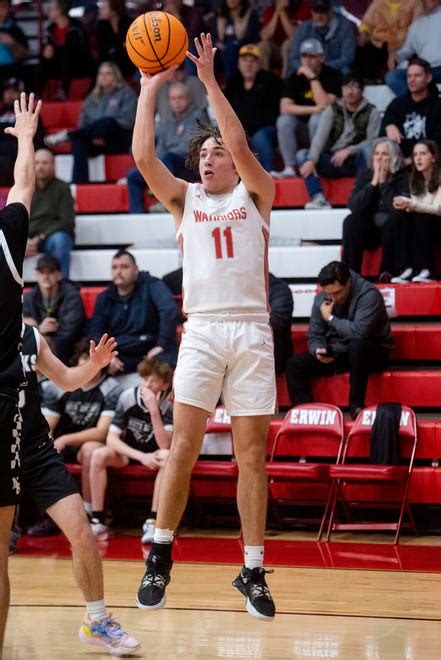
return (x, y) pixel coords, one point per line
(301, 243)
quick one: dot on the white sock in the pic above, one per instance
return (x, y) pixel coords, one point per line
(96, 609)
(87, 506)
(253, 556)
(163, 535)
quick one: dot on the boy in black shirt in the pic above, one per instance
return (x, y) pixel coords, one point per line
(14, 223)
(141, 431)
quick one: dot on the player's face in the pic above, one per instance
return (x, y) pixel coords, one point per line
(417, 78)
(336, 292)
(154, 383)
(124, 271)
(216, 167)
(422, 158)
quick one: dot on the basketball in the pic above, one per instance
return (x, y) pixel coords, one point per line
(156, 41)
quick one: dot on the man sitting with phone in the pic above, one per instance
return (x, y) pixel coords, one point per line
(349, 330)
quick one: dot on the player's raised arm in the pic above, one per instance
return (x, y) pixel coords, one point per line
(256, 179)
(26, 122)
(165, 186)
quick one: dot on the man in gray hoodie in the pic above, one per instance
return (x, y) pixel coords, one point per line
(349, 330)
(342, 141)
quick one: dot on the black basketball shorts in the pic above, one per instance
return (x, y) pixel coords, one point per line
(10, 436)
(44, 476)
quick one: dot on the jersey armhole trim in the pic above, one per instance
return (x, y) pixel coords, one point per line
(9, 259)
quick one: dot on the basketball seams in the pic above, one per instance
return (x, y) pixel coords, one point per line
(150, 41)
(183, 47)
(157, 63)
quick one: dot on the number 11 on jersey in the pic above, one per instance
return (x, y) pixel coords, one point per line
(218, 242)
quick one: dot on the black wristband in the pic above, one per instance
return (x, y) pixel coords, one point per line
(312, 79)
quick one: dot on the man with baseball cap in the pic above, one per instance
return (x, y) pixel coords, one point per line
(334, 31)
(54, 306)
(308, 91)
(255, 97)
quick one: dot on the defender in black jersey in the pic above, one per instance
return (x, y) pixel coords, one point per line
(14, 221)
(141, 432)
(45, 479)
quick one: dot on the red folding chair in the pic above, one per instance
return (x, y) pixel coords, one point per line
(310, 439)
(362, 485)
(215, 481)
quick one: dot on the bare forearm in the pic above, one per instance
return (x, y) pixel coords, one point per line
(230, 127)
(71, 378)
(24, 168)
(121, 447)
(162, 437)
(143, 144)
(88, 435)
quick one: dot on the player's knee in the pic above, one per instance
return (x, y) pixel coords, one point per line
(183, 450)
(251, 458)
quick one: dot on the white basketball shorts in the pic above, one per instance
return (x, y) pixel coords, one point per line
(235, 358)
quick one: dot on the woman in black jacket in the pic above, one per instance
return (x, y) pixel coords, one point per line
(373, 219)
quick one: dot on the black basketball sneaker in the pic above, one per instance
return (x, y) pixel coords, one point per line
(251, 583)
(151, 593)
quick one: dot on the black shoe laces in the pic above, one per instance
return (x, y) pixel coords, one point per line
(258, 585)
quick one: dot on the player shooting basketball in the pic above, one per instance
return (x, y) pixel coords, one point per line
(222, 225)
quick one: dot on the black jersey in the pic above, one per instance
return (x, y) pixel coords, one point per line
(35, 427)
(82, 408)
(133, 419)
(14, 225)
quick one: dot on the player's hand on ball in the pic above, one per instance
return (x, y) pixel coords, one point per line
(156, 81)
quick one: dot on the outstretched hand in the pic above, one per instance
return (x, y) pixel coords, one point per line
(26, 117)
(101, 354)
(205, 62)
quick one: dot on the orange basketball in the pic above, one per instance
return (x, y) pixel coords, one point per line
(156, 41)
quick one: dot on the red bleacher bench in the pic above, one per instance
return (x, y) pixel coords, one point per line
(117, 165)
(292, 192)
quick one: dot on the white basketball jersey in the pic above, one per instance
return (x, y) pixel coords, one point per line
(224, 241)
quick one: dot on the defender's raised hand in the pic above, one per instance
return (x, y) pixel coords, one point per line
(101, 354)
(205, 62)
(26, 117)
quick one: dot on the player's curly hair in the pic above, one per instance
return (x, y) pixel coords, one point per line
(203, 132)
(149, 366)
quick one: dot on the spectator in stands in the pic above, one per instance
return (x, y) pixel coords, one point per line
(282, 306)
(13, 44)
(141, 431)
(106, 121)
(414, 116)
(174, 132)
(52, 220)
(78, 421)
(192, 18)
(419, 233)
(235, 25)
(349, 330)
(11, 90)
(255, 97)
(336, 34)
(342, 141)
(139, 311)
(308, 91)
(65, 52)
(382, 32)
(372, 220)
(55, 307)
(111, 30)
(279, 21)
(195, 87)
(422, 42)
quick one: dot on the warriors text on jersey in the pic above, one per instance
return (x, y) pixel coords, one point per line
(224, 241)
(14, 221)
(35, 427)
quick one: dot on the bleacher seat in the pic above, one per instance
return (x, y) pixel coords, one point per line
(376, 480)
